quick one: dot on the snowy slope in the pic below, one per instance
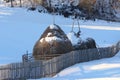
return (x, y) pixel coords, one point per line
(20, 29)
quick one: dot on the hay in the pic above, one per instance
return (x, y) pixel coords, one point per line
(52, 41)
(89, 43)
(118, 45)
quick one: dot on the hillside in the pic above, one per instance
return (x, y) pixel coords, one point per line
(23, 28)
(19, 30)
(89, 9)
(81, 9)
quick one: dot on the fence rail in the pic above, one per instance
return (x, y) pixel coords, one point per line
(48, 68)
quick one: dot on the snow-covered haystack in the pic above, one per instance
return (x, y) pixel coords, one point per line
(52, 41)
(89, 43)
(80, 44)
(118, 45)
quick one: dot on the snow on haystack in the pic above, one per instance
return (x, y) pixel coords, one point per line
(80, 44)
(52, 41)
(49, 38)
(52, 26)
(73, 38)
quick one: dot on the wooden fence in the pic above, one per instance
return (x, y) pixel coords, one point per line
(48, 68)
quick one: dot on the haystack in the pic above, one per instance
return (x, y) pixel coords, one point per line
(89, 43)
(118, 45)
(52, 41)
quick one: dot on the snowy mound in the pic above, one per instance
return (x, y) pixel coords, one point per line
(80, 44)
(52, 41)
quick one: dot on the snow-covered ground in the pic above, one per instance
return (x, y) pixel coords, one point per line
(20, 29)
(104, 69)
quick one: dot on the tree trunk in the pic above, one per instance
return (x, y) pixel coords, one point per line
(20, 3)
(11, 3)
